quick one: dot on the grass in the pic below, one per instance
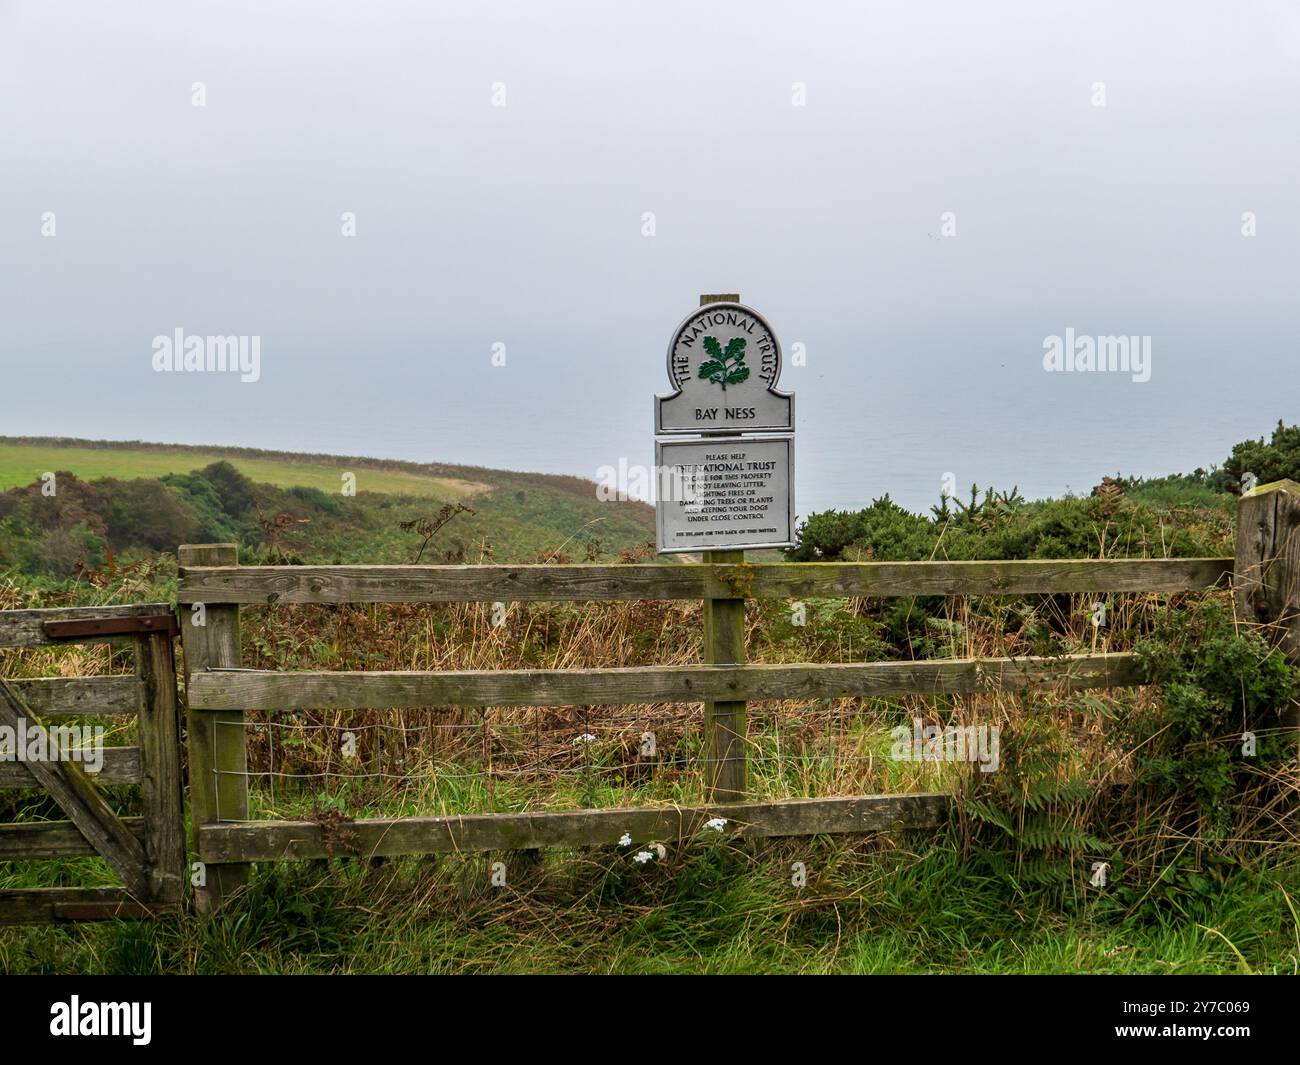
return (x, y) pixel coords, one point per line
(913, 907)
(23, 463)
(909, 904)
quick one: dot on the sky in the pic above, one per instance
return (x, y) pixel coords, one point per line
(465, 232)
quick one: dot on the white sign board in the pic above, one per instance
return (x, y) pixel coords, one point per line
(723, 363)
(725, 493)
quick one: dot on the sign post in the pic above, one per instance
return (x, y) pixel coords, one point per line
(729, 487)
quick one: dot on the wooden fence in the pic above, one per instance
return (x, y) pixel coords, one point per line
(218, 691)
(146, 852)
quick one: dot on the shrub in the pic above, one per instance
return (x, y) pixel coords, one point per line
(883, 531)
(1272, 461)
(1217, 681)
(235, 490)
(318, 499)
(215, 525)
(1004, 526)
(148, 513)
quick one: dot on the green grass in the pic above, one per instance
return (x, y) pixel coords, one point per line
(21, 464)
(919, 908)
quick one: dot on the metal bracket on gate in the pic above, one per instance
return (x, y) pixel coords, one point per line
(145, 623)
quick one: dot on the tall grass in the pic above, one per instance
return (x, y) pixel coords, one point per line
(1006, 887)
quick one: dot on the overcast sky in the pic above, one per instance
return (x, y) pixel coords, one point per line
(803, 155)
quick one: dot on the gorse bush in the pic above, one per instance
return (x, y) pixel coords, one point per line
(1004, 526)
(1275, 460)
(216, 524)
(1218, 682)
(53, 534)
(882, 531)
(1172, 806)
(318, 499)
(237, 492)
(147, 513)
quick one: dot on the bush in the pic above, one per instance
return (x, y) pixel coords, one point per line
(883, 531)
(1002, 526)
(1217, 681)
(235, 490)
(58, 553)
(148, 513)
(318, 499)
(216, 525)
(55, 534)
(1278, 459)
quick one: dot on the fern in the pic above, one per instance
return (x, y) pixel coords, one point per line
(1032, 828)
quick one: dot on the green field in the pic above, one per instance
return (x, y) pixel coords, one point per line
(511, 516)
(23, 463)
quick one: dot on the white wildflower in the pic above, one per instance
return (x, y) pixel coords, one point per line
(642, 857)
(625, 840)
(586, 737)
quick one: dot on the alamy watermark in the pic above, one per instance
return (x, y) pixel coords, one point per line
(681, 483)
(1109, 354)
(29, 742)
(179, 353)
(947, 743)
(77, 1018)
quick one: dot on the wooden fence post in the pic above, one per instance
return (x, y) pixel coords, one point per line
(724, 722)
(218, 755)
(724, 643)
(1266, 577)
(160, 764)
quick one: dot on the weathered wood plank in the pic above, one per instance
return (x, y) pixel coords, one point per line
(294, 840)
(782, 580)
(23, 628)
(218, 756)
(53, 839)
(654, 684)
(1266, 581)
(47, 905)
(121, 766)
(1267, 578)
(724, 719)
(161, 791)
(79, 696)
(71, 788)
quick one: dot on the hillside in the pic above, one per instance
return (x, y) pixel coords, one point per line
(132, 499)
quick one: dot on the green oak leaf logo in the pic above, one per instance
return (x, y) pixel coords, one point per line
(724, 367)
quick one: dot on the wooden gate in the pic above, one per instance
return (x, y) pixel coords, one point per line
(146, 852)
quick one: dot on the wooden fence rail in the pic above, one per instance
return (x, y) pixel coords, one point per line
(228, 690)
(55, 697)
(265, 585)
(631, 826)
